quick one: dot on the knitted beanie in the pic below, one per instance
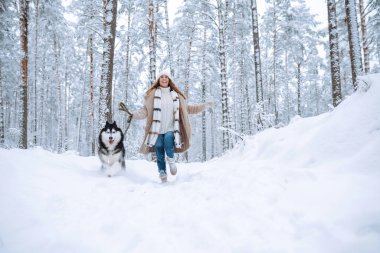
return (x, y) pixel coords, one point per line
(165, 72)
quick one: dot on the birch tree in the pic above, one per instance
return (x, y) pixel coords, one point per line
(221, 9)
(353, 39)
(35, 116)
(275, 57)
(257, 60)
(363, 29)
(109, 26)
(152, 42)
(373, 13)
(168, 38)
(91, 118)
(334, 53)
(2, 137)
(58, 95)
(24, 12)
(127, 57)
(203, 85)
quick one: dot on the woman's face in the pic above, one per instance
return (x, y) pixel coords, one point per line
(164, 81)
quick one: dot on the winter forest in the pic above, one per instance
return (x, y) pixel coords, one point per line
(66, 65)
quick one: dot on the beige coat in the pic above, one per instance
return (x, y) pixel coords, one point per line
(184, 124)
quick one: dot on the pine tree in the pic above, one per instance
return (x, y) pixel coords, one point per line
(222, 9)
(373, 13)
(91, 102)
(168, 38)
(334, 53)
(353, 39)
(203, 85)
(24, 12)
(35, 114)
(257, 60)
(363, 28)
(1, 102)
(2, 106)
(152, 42)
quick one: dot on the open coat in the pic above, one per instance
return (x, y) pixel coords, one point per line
(184, 124)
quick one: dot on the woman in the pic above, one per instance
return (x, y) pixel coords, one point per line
(167, 127)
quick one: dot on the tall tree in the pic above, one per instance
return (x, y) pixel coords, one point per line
(363, 28)
(256, 55)
(275, 57)
(2, 137)
(203, 85)
(128, 58)
(257, 60)
(334, 53)
(222, 9)
(109, 26)
(152, 42)
(374, 28)
(91, 119)
(24, 12)
(58, 95)
(35, 116)
(353, 39)
(168, 38)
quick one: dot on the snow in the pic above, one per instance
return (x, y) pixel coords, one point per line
(312, 186)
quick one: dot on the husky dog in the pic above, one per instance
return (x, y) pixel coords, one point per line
(111, 150)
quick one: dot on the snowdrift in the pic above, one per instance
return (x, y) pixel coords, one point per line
(309, 187)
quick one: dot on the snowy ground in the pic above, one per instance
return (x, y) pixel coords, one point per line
(311, 187)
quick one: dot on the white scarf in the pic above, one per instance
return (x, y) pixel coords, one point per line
(155, 128)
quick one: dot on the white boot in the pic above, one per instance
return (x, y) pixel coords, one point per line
(173, 167)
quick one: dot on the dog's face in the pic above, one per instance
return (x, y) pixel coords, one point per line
(111, 135)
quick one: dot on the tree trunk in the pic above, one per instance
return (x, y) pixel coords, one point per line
(168, 39)
(152, 43)
(274, 62)
(44, 106)
(127, 60)
(2, 139)
(109, 25)
(378, 51)
(24, 11)
(223, 77)
(364, 37)
(248, 108)
(66, 113)
(299, 89)
(241, 116)
(91, 102)
(188, 62)
(35, 120)
(353, 40)
(58, 97)
(256, 44)
(187, 76)
(334, 53)
(212, 127)
(203, 85)
(84, 77)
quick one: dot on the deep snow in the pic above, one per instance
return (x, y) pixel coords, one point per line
(312, 186)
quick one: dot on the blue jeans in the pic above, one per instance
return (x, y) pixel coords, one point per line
(164, 143)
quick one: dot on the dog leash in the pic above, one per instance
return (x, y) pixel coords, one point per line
(124, 108)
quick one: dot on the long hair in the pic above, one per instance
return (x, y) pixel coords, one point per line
(171, 85)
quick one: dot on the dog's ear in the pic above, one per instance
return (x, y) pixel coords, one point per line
(107, 124)
(114, 123)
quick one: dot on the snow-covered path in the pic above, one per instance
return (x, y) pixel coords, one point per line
(310, 187)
